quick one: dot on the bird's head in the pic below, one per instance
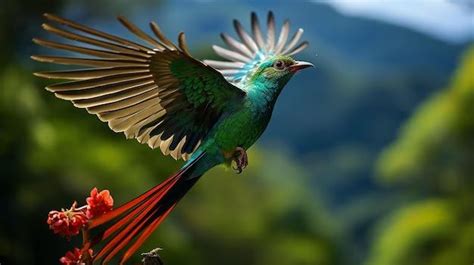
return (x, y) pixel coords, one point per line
(278, 70)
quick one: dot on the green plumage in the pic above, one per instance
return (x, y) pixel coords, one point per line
(206, 112)
(162, 96)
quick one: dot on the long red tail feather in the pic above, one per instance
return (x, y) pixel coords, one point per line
(132, 223)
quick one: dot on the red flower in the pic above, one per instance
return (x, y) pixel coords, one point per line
(73, 257)
(99, 203)
(67, 222)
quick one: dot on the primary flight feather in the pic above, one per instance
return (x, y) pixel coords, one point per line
(206, 112)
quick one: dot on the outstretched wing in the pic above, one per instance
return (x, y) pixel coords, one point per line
(244, 57)
(160, 95)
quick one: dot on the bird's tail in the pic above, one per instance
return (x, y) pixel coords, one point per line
(127, 227)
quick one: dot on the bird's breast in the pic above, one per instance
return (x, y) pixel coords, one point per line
(242, 127)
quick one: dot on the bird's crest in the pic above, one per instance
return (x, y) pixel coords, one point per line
(244, 57)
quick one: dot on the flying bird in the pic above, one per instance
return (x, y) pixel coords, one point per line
(205, 112)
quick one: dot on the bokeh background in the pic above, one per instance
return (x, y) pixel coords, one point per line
(369, 158)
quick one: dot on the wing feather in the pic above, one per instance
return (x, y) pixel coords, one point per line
(86, 61)
(245, 37)
(294, 40)
(123, 103)
(242, 58)
(94, 82)
(129, 44)
(230, 55)
(225, 65)
(298, 48)
(84, 74)
(236, 46)
(182, 44)
(270, 31)
(121, 95)
(159, 95)
(283, 37)
(157, 31)
(139, 33)
(257, 32)
(86, 51)
(102, 89)
(94, 41)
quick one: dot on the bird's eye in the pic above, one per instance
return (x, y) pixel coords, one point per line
(279, 65)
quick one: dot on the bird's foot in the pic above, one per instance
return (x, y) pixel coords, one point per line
(241, 160)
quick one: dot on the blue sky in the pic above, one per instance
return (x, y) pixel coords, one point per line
(451, 20)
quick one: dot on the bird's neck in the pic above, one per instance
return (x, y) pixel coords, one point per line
(265, 91)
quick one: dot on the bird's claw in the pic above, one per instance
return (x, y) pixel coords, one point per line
(240, 159)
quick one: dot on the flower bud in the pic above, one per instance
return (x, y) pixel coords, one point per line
(66, 222)
(73, 257)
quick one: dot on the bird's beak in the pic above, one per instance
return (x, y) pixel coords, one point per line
(299, 65)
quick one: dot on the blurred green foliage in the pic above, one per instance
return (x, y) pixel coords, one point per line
(433, 162)
(437, 141)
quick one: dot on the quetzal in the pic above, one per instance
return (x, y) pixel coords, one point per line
(205, 112)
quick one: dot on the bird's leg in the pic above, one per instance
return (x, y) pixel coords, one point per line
(240, 158)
